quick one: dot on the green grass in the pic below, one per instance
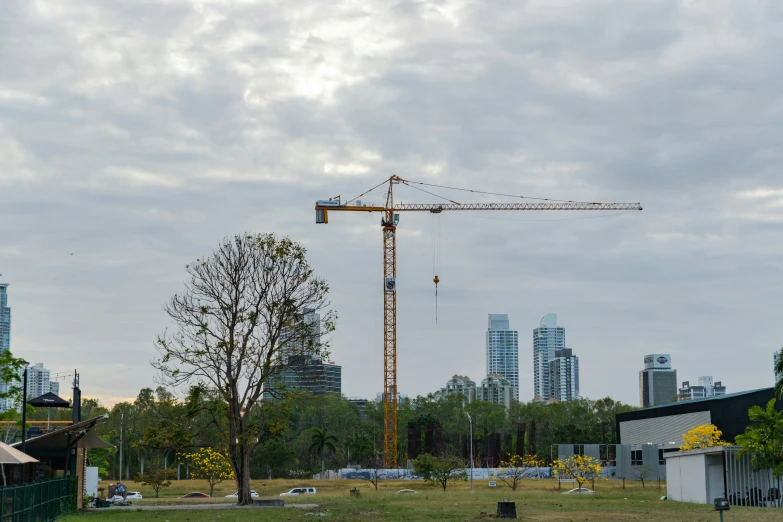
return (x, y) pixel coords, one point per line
(535, 501)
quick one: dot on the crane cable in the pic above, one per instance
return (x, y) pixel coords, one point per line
(436, 257)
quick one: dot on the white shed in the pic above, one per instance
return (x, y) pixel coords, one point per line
(695, 476)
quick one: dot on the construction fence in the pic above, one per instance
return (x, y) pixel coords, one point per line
(42, 501)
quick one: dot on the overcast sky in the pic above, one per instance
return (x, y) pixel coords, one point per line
(135, 135)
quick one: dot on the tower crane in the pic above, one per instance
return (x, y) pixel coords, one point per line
(390, 218)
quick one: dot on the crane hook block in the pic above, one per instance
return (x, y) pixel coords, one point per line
(436, 280)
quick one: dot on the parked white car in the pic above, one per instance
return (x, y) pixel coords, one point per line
(235, 495)
(299, 491)
(577, 491)
(134, 495)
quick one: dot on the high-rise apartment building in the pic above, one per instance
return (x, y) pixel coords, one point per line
(658, 381)
(496, 388)
(460, 385)
(564, 376)
(547, 339)
(38, 381)
(503, 350)
(5, 336)
(5, 318)
(705, 388)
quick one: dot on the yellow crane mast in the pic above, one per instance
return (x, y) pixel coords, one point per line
(389, 221)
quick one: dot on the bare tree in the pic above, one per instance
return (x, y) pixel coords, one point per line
(641, 473)
(244, 310)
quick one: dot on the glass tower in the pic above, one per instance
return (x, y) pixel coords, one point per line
(503, 350)
(5, 335)
(5, 318)
(547, 339)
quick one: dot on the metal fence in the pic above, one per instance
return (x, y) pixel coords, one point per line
(746, 486)
(42, 501)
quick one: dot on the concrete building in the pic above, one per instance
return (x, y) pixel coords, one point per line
(460, 385)
(503, 350)
(496, 388)
(658, 381)
(304, 372)
(564, 376)
(547, 339)
(705, 388)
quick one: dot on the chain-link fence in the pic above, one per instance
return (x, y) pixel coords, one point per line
(42, 501)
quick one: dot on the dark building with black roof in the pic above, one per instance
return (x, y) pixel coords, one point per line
(665, 425)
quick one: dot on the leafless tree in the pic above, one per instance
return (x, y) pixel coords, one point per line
(243, 312)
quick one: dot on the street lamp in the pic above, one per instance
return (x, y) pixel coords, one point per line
(470, 420)
(24, 408)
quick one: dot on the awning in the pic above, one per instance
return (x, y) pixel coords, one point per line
(49, 400)
(9, 455)
(79, 435)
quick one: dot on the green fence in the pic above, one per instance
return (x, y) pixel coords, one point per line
(38, 501)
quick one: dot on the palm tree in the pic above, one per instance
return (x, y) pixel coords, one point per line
(763, 439)
(779, 373)
(360, 446)
(321, 442)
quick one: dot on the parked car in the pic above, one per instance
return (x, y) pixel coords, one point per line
(195, 495)
(133, 495)
(577, 491)
(235, 495)
(299, 491)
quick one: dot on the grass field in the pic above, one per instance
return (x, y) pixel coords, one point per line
(535, 501)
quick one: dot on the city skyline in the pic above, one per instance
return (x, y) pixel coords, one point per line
(127, 164)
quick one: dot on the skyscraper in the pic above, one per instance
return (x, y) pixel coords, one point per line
(547, 339)
(503, 350)
(5, 336)
(658, 381)
(5, 318)
(564, 375)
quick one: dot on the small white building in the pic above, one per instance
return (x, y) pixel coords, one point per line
(702, 475)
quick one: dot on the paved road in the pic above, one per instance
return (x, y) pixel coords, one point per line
(191, 507)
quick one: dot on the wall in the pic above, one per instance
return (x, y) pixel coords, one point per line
(687, 478)
(661, 430)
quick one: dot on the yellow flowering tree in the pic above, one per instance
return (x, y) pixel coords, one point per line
(210, 465)
(702, 436)
(514, 468)
(579, 467)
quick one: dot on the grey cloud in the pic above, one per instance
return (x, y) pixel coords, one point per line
(136, 135)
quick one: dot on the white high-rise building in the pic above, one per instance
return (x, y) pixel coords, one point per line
(5, 337)
(547, 339)
(503, 350)
(38, 381)
(5, 318)
(564, 376)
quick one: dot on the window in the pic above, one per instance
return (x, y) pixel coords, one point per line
(636, 458)
(660, 457)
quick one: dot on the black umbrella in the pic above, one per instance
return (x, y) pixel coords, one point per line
(49, 400)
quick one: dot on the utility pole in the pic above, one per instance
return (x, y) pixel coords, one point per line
(470, 420)
(122, 417)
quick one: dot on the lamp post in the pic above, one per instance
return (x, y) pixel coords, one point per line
(470, 420)
(24, 408)
(122, 418)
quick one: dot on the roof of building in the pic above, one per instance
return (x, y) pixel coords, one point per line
(79, 435)
(706, 399)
